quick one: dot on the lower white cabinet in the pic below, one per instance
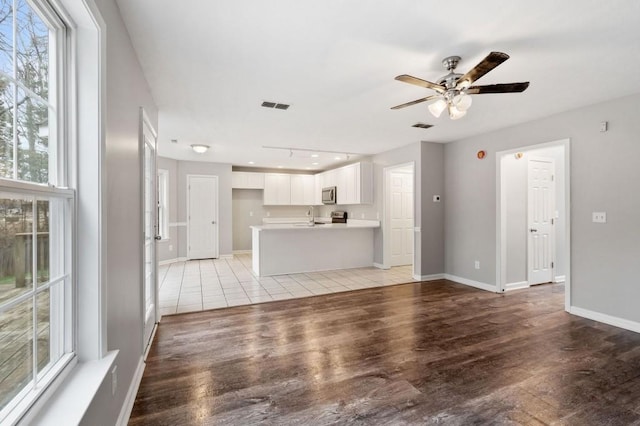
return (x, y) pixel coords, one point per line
(277, 189)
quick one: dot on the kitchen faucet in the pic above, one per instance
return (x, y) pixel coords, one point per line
(312, 216)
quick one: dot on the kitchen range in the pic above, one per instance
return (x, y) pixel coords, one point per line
(310, 246)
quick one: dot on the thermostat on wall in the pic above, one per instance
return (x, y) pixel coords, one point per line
(436, 198)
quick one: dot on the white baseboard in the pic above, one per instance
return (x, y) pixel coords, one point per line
(559, 279)
(242, 252)
(380, 266)
(127, 407)
(170, 261)
(226, 256)
(516, 285)
(607, 319)
(472, 283)
(431, 277)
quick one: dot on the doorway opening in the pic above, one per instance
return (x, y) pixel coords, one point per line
(399, 213)
(533, 221)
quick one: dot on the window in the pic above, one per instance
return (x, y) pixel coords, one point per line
(163, 204)
(36, 209)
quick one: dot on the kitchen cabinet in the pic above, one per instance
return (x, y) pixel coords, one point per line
(354, 183)
(277, 189)
(247, 180)
(303, 190)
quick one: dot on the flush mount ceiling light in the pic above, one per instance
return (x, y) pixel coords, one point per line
(453, 89)
(199, 148)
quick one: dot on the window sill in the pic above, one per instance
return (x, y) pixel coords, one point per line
(70, 401)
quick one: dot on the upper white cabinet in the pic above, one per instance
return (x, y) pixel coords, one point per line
(247, 180)
(277, 189)
(303, 190)
(354, 183)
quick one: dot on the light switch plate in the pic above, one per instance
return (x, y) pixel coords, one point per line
(599, 217)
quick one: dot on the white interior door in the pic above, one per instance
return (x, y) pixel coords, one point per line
(150, 228)
(202, 220)
(401, 217)
(540, 220)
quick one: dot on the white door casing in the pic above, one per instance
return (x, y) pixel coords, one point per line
(540, 220)
(149, 228)
(202, 217)
(401, 217)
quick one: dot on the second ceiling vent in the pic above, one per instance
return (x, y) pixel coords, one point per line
(268, 104)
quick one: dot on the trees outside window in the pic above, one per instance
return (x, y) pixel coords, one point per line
(36, 334)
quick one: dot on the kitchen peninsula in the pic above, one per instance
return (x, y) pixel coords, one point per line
(295, 248)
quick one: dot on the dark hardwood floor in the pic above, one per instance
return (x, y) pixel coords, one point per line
(425, 353)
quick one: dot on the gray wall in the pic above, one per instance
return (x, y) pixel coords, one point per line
(168, 249)
(127, 91)
(250, 201)
(432, 223)
(604, 176)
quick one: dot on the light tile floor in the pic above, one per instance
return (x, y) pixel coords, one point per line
(198, 285)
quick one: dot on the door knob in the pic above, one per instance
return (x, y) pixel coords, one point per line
(158, 237)
(213, 222)
(533, 230)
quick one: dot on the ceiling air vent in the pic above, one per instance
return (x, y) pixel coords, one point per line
(275, 105)
(422, 125)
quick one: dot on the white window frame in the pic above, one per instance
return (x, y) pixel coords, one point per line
(62, 330)
(163, 204)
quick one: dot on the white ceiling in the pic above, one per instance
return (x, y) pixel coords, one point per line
(210, 64)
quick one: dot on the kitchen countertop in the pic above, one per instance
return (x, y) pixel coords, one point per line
(351, 224)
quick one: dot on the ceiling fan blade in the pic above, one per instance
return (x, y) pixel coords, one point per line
(492, 60)
(417, 101)
(498, 88)
(420, 82)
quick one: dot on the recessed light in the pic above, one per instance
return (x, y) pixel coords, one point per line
(314, 164)
(314, 155)
(338, 158)
(252, 162)
(279, 167)
(307, 168)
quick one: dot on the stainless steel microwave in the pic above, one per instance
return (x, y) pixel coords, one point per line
(329, 195)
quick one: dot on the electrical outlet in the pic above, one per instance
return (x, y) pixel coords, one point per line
(114, 380)
(477, 264)
(599, 217)
(377, 215)
(268, 214)
(250, 214)
(170, 247)
(362, 216)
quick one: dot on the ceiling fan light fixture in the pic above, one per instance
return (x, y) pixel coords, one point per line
(455, 113)
(437, 107)
(462, 101)
(199, 148)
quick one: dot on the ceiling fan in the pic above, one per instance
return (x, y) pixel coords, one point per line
(453, 89)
